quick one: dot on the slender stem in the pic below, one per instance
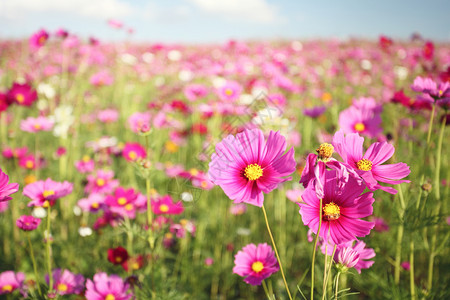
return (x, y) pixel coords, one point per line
(438, 205)
(337, 285)
(314, 250)
(34, 264)
(276, 252)
(48, 244)
(266, 290)
(412, 286)
(398, 253)
(327, 277)
(36, 160)
(430, 124)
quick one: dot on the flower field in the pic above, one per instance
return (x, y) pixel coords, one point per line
(311, 169)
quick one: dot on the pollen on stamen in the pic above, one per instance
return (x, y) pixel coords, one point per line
(253, 171)
(364, 165)
(331, 211)
(325, 151)
(257, 266)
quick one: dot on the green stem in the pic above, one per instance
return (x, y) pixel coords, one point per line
(337, 286)
(34, 264)
(398, 253)
(327, 276)
(314, 251)
(438, 204)
(430, 124)
(411, 271)
(276, 252)
(265, 289)
(48, 244)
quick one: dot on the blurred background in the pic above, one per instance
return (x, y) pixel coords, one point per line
(206, 21)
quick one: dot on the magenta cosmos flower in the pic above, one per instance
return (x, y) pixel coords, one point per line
(38, 39)
(66, 283)
(341, 213)
(21, 94)
(10, 281)
(45, 193)
(28, 223)
(351, 255)
(101, 78)
(139, 122)
(245, 166)
(6, 189)
(126, 202)
(108, 115)
(34, 125)
(165, 205)
(85, 165)
(369, 166)
(106, 287)
(194, 92)
(93, 203)
(255, 263)
(362, 118)
(133, 152)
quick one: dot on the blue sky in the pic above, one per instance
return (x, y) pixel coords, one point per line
(218, 20)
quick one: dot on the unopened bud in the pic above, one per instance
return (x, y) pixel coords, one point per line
(426, 187)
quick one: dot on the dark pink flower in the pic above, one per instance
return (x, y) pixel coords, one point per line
(125, 202)
(255, 263)
(341, 213)
(21, 94)
(10, 281)
(85, 165)
(165, 205)
(134, 152)
(28, 223)
(38, 39)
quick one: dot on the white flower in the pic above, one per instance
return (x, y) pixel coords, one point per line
(85, 231)
(39, 212)
(187, 197)
(77, 211)
(174, 55)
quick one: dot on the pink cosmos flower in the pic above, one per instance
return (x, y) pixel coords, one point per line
(44, 193)
(106, 287)
(3, 206)
(139, 122)
(61, 33)
(15, 153)
(431, 91)
(295, 195)
(134, 152)
(194, 92)
(360, 120)
(101, 182)
(108, 115)
(165, 205)
(368, 166)
(255, 263)
(230, 91)
(66, 283)
(101, 78)
(85, 165)
(315, 111)
(28, 223)
(341, 213)
(21, 94)
(181, 229)
(380, 225)
(364, 254)
(4, 102)
(93, 203)
(6, 189)
(115, 23)
(238, 209)
(10, 281)
(126, 202)
(406, 265)
(245, 166)
(38, 39)
(29, 162)
(34, 125)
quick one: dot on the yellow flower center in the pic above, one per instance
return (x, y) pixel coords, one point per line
(364, 165)
(101, 182)
(135, 266)
(326, 97)
(45, 204)
(46, 193)
(29, 164)
(121, 201)
(171, 147)
(62, 287)
(441, 92)
(183, 222)
(325, 151)
(95, 205)
(86, 159)
(118, 259)
(204, 184)
(37, 126)
(129, 206)
(331, 211)
(110, 297)
(193, 172)
(20, 98)
(7, 288)
(132, 155)
(229, 92)
(359, 127)
(164, 208)
(30, 179)
(253, 172)
(257, 266)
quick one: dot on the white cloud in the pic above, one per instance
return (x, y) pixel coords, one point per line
(96, 9)
(258, 11)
